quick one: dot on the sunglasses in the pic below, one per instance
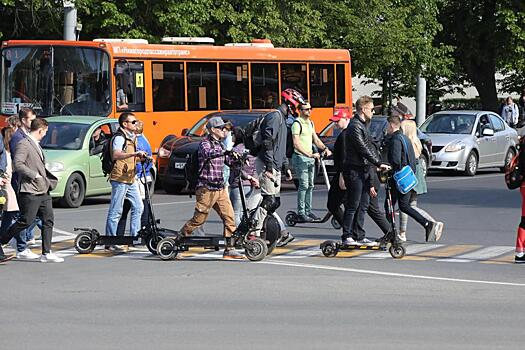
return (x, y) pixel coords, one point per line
(132, 121)
(306, 109)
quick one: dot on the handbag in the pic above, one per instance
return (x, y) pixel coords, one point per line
(405, 178)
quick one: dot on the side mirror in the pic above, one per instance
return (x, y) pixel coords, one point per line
(184, 132)
(488, 132)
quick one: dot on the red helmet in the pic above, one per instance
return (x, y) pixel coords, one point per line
(293, 99)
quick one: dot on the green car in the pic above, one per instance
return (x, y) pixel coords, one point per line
(73, 146)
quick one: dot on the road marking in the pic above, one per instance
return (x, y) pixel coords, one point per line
(481, 254)
(389, 274)
(449, 251)
(412, 249)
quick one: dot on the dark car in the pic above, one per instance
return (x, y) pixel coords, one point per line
(174, 151)
(378, 132)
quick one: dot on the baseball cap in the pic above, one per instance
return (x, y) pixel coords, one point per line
(215, 122)
(340, 114)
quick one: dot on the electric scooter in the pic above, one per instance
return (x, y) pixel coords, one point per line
(390, 240)
(292, 218)
(256, 248)
(149, 235)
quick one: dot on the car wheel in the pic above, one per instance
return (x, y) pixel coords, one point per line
(508, 158)
(471, 165)
(75, 191)
(424, 164)
(173, 189)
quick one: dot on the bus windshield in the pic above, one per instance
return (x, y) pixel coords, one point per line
(55, 80)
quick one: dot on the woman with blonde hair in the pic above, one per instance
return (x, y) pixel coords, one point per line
(409, 129)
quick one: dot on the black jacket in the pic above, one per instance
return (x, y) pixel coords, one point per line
(359, 151)
(340, 152)
(274, 133)
(397, 157)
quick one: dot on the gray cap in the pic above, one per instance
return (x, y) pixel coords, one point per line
(215, 122)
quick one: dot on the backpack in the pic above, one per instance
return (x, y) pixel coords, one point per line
(106, 156)
(252, 135)
(289, 137)
(191, 170)
(513, 173)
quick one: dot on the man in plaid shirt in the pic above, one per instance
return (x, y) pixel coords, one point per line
(210, 192)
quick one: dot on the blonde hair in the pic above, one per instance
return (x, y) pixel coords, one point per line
(409, 128)
(139, 128)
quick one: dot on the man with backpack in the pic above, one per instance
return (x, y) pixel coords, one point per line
(271, 157)
(303, 160)
(124, 154)
(210, 191)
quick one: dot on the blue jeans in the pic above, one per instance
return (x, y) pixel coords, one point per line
(235, 198)
(8, 219)
(119, 192)
(304, 169)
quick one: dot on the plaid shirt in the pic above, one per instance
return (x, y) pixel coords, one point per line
(211, 161)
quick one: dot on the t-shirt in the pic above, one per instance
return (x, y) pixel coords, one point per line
(305, 131)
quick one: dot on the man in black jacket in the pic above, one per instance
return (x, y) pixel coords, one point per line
(400, 154)
(359, 156)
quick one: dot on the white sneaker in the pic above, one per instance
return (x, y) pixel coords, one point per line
(26, 255)
(367, 242)
(31, 242)
(402, 236)
(51, 257)
(349, 241)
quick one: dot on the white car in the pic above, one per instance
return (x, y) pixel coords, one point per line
(470, 140)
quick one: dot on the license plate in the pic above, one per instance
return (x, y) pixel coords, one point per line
(180, 165)
(329, 162)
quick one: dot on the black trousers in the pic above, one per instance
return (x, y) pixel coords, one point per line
(121, 227)
(31, 206)
(357, 201)
(403, 201)
(336, 197)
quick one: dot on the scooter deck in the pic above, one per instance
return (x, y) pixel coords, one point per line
(185, 243)
(360, 247)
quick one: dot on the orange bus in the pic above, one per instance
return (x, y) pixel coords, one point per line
(167, 86)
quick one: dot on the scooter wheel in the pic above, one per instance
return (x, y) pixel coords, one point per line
(335, 224)
(256, 249)
(167, 249)
(290, 219)
(329, 249)
(84, 243)
(151, 244)
(397, 251)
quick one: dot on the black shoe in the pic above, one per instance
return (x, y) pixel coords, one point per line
(304, 218)
(519, 259)
(430, 231)
(314, 217)
(4, 258)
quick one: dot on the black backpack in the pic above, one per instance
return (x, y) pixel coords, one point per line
(191, 170)
(513, 172)
(106, 156)
(252, 135)
(289, 137)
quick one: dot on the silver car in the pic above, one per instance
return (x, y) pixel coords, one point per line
(469, 140)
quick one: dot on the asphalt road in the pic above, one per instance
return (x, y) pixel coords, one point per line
(462, 293)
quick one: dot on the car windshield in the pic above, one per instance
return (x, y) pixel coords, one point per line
(331, 130)
(55, 80)
(449, 124)
(238, 120)
(64, 136)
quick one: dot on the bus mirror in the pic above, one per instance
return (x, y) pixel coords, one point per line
(184, 132)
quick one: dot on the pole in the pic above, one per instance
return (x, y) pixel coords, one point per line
(421, 99)
(70, 20)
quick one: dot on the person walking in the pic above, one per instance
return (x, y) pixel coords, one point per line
(303, 160)
(271, 159)
(35, 184)
(360, 156)
(521, 105)
(510, 112)
(210, 192)
(519, 257)
(409, 129)
(122, 177)
(401, 153)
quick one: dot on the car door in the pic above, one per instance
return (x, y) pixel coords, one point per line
(98, 183)
(486, 144)
(502, 139)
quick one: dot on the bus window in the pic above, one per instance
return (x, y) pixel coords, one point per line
(322, 85)
(202, 86)
(168, 86)
(130, 86)
(234, 85)
(341, 86)
(265, 85)
(294, 76)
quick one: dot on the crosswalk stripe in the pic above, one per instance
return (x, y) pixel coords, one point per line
(449, 251)
(480, 254)
(301, 253)
(412, 249)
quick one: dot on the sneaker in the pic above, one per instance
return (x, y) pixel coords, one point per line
(51, 257)
(31, 242)
(285, 239)
(4, 258)
(402, 236)
(430, 231)
(314, 217)
(349, 241)
(26, 255)
(368, 242)
(439, 230)
(519, 259)
(232, 253)
(304, 218)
